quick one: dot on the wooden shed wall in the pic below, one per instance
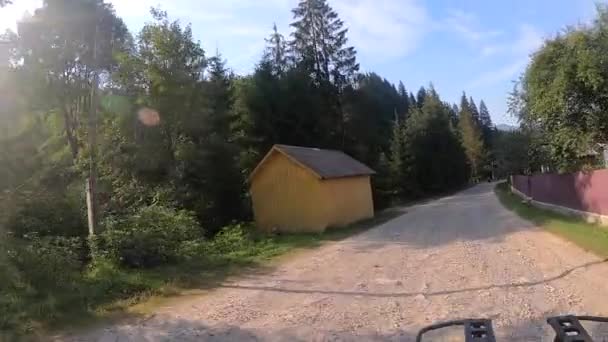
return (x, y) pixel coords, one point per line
(287, 197)
(348, 200)
(291, 198)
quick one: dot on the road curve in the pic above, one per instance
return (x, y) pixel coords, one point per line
(457, 257)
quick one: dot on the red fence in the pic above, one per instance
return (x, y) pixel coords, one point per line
(585, 191)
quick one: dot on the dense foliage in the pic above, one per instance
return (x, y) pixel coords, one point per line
(177, 134)
(562, 96)
(150, 237)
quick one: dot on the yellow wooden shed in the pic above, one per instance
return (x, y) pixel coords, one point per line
(300, 189)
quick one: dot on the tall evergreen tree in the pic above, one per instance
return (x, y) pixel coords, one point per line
(421, 97)
(484, 115)
(218, 181)
(397, 158)
(276, 51)
(412, 101)
(402, 90)
(404, 101)
(188, 147)
(319, 44)
(453, 114)
(320, 48)
(428, 129)
(471, 137)
(485, 122)
(474, 110)
(370, 107)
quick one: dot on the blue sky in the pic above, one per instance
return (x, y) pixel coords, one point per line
(479, 46)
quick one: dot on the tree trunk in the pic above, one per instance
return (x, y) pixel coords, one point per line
(70, 133)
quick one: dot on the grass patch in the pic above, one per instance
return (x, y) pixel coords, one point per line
(106, 291)
(588, 236)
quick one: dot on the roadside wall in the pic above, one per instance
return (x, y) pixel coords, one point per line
(582, 192)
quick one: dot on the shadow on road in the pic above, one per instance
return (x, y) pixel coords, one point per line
(163, 329)
(413, 294)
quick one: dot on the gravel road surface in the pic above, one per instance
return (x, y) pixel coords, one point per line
(458, 257)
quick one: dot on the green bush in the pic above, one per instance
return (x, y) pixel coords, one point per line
(46, 215)
(104, 279)
(151, 237)
(232, 239)
(40, 279)
(229, 244)
(47, 262)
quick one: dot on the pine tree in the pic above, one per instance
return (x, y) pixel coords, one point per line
(474, 110)
(319, 48)
(382, 185)
(485, 121)
(401, 90)
(412, 101)
(421, 97)
(213, 184)
(484, 116)
(471, 137)
(453, 114)
(319, 44)
(371, 108)
(397, 158)
(404, 101)
(219, 96)
(428, 129)
(276, 51)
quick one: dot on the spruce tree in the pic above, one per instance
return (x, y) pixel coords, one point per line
(320, 45)
(397, 157)
(404, 101)
(276, 51)
(319, 48)
(435, 159)
(485, 121)
(412, 101)
(474, 110)
(214, 181)
(455, 108)
(421, 97)
(401, 90)
(471, 137)
(453, 114)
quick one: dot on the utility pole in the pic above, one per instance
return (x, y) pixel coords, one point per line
(91, 186)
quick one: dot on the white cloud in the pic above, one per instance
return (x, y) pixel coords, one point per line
(467, 26)
(193, 9)
(384, 28)
(233, 27)
(528, 40)
(501, 74)
(379, 28)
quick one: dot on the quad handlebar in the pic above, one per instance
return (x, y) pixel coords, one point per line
(567, 328)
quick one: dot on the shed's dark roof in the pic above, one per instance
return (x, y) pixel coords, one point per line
(326, 164)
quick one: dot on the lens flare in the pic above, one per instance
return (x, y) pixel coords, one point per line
(148, 117)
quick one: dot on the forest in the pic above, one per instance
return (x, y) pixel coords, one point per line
(169, 134)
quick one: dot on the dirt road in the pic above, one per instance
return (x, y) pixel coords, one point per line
(461, 256)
